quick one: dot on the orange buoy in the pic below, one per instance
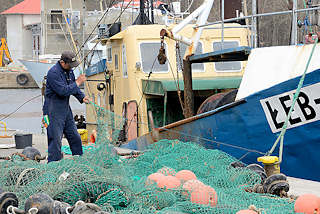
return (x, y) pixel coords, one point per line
(191, 186)
(169, 182)
(307, 204)
(167, 171)
(204, 196)
(154, 178)
(186, 175)
(246, 212)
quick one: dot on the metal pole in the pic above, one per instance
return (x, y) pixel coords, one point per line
(188, 93)
(222, 19)
(83, 31)
(165, 109)
(294, 23)
(254, 24)
(152, 12)
(258, 15)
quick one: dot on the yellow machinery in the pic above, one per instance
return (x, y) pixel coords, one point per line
(3, 130)
(4, 50)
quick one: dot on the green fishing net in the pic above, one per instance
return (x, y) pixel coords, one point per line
(120, 185)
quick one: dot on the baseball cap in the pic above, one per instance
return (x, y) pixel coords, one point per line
(70, 58)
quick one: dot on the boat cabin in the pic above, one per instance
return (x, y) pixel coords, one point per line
(135, 82)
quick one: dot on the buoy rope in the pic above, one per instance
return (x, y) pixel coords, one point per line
(295, 97)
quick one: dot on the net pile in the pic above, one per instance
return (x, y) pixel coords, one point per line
(120, 185)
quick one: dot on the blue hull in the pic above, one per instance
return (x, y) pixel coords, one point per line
(242, 130)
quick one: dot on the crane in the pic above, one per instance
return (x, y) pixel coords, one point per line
(201, 14)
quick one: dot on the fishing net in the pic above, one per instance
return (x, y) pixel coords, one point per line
(121, 185)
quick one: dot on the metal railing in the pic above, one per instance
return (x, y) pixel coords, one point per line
(253, 17)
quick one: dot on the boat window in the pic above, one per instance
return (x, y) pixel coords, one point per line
(99, 100)
(109, 54)
(226, 66)
(149, 52)
(116, 62)
(124, 62)
(56, 15)
(196, 67)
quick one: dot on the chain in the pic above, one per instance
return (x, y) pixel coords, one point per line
(178, 59)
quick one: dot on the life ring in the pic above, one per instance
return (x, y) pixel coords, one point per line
(22, 79)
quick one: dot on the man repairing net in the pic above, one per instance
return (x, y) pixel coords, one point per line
(60, 85)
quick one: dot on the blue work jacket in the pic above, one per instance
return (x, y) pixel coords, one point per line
(60, 85)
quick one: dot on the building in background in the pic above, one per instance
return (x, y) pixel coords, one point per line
(55, 15)
(23, 30)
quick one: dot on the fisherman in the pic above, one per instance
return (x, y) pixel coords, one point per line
(60, 85)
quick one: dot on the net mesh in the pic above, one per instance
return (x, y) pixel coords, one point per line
(120, 185)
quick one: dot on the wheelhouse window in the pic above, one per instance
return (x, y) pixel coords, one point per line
(116, 62)
(149, 52)
(196, 67)
(226, 66)
(109, 54)
(124, 62)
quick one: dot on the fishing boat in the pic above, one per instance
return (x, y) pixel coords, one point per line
(247, 127)
(135, 82)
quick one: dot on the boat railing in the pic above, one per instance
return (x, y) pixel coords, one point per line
(253, 17)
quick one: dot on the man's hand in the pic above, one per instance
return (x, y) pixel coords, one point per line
(81, 79)
(87, 100)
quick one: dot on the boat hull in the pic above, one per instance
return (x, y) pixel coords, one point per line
(247, 128)
(40, 69)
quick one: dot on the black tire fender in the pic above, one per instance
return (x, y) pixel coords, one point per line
(22, 79)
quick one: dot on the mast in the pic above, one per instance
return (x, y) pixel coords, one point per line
(152, 12)
(142, 18)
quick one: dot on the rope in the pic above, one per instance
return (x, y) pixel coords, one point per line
(295, 97)
(98, 41)
(216, 142)
(91, 33)
(5, 117)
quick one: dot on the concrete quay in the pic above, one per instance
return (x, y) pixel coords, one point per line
(8, 80)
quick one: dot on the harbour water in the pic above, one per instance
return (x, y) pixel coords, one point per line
(28, 117)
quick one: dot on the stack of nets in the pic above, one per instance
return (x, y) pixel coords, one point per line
(120, 185)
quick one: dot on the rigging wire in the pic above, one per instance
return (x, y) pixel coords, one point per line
(97, 24)
(144, 89)
(8, 115)
(97, 42)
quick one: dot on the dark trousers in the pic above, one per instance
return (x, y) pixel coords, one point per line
(58, 127)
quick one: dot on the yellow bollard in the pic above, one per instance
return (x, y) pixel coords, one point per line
(270, 164)
(4, 130)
